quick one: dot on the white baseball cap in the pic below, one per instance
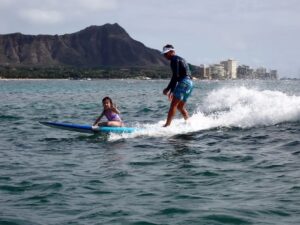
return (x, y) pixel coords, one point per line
(167, 48)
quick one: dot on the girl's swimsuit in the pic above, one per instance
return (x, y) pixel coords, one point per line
(112, 116)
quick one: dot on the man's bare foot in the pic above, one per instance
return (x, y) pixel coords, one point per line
(188, 121)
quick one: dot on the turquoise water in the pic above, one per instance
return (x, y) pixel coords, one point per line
(236, 161)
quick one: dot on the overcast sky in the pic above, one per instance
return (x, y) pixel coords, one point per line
(254, 32)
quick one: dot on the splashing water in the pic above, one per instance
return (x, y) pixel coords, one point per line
(244, 108)
(230, 107)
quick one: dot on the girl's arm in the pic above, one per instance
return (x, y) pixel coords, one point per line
(114, 109)
(98, 119)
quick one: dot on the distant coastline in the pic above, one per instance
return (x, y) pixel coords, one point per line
(287, 78)
(72, 73)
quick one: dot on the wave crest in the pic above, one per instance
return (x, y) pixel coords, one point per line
(230, 107)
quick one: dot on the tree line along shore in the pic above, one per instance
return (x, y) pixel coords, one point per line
(82, 73)
(85, 73)
(65, 72)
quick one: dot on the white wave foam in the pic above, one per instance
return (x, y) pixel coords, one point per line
(242, 107)
(230, 107)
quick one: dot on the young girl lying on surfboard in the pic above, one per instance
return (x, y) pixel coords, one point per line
(111, 112)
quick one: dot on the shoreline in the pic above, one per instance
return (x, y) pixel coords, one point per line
(205, 80)
(8, 79)
(137, 78)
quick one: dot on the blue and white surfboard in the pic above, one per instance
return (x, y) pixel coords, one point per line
(88, 128)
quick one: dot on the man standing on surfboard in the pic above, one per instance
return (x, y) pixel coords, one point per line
(180, 86)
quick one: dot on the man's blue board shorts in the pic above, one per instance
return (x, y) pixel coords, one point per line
(183, 89)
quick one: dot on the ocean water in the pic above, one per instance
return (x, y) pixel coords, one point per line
(236, 161)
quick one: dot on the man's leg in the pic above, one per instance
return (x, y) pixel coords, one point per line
(182, 109)
(172, 111)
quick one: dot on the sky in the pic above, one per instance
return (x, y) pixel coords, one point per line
(258, 33)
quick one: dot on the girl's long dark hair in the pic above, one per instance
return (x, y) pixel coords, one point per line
(107, 98)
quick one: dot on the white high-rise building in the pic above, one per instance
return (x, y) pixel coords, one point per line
(230, 67)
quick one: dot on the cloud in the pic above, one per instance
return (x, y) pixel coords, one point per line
(56, 11)
(97, 5)
(6, 3)
(53, 12)
(39, 16)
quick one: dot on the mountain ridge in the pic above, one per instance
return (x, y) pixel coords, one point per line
(93, 46)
